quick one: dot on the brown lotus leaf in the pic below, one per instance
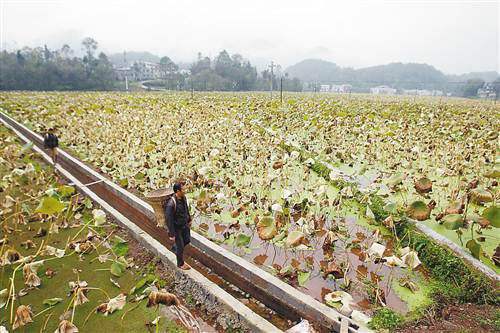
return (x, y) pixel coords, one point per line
(330, 239)
(165, 298)
(32, 280)
(484, 223)
(310, 261)
(455, 207)
(260, 259)
(295, 238)
(266, 228)
(235, 213)
(481, 196)
(330, 267)
(295, 263)
(42, 232)
(50, 273)
(473, 184)
(219, 228)
(23, 316)
(419, 211)
(496, 256)
(66, 326)
(277, 165)
(389, 222)
(423, 185)
(116, 303)
(28, 244)
(11, 256)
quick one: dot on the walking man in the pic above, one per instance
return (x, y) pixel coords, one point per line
(51, 142)
(179, 223)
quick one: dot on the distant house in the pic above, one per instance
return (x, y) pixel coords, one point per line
(383, 90)
(487, 91)
(145, 70)
(341, 88)
(122, 72)
(324, 88)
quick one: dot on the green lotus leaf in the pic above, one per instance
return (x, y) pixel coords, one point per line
(50, 206)
(242, 240)
(65, 190)
(52, 301)
(395, 179)
(474, 247)
(453, 221)
(492, 214)
(117, 268)
(303, 277)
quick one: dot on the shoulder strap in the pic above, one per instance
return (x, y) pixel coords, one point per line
(175, 203)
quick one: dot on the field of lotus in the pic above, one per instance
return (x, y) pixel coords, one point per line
(311, 190)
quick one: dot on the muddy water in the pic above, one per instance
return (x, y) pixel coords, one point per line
(358, 269)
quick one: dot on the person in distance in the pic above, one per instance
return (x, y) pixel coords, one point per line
(51, 142)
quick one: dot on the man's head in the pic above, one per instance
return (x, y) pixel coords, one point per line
(178, 190)
(51, 130)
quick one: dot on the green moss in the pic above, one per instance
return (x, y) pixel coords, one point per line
(421, 298)
(385, 318)
(446, 267)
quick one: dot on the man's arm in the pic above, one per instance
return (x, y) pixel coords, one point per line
(170, 215)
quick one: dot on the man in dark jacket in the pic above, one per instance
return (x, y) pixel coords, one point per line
(51, 142)
(179, 222)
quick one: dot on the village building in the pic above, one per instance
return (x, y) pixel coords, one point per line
(383, 90)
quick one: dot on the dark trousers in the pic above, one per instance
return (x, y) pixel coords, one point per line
(182, 238)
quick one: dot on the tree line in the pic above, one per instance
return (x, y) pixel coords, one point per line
(225, 72)
(40, 68)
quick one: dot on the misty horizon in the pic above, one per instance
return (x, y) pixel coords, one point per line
(454, 37)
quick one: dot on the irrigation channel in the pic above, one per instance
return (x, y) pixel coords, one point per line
(208, 258)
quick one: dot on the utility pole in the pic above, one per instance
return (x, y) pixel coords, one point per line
(125, 67)
(272, 75)
(281, 89)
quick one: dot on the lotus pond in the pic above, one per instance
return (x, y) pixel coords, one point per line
(310, 190)
(63, 266)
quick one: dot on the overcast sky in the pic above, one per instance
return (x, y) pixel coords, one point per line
(454, 36)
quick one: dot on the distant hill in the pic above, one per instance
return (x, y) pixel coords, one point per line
(404, 76)
(486, 76)
(398, 75)
(312, 70)
(132, 56)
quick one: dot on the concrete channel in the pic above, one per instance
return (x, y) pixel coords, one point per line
(137, 216)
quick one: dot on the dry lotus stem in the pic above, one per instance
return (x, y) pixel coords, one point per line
(159, 297)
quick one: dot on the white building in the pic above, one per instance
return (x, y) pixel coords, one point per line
(324, 88)
(145, 70)
(341, 88)
(486, 92)
(383, 90)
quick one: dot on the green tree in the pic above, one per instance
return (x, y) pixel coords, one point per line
(471, 87)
